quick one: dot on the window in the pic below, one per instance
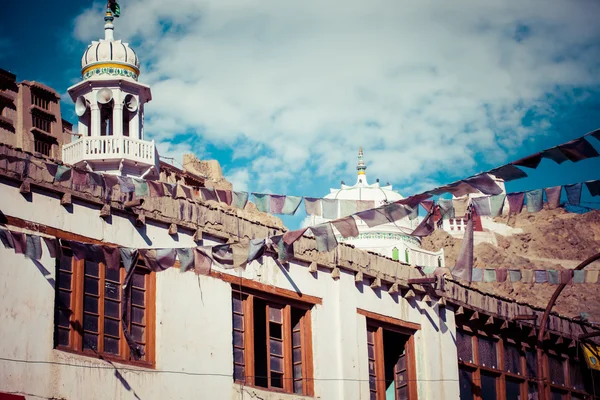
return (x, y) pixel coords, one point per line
(42, 146)
(490, 368)
(41, 122)
(39, 101)
(272, 344)
(391, 362)
(88, 310)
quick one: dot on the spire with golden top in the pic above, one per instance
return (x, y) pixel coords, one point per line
(361, 168)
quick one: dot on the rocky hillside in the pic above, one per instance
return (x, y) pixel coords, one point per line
(551, 239)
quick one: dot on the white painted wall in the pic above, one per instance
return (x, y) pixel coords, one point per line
(193, 324)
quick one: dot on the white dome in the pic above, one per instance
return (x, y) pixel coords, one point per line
(109, 59)
(364, 191)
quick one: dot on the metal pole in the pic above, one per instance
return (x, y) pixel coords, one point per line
(542, 331)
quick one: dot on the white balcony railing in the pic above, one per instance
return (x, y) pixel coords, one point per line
(89, 148)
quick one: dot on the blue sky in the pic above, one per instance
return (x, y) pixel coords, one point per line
(284, 93)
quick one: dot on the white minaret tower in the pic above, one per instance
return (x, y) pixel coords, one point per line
(110, 104)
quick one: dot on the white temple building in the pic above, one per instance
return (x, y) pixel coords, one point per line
(391, 240)
(109, 102)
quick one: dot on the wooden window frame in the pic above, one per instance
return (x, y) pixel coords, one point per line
(476, 368)
(247, 296)
(380, 323)
(76, 329)
(40, 101)
(40, 145)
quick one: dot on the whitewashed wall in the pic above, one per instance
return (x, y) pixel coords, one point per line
(193, 324)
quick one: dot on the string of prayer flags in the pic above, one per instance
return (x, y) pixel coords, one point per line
(463, 269)
(496, 204)
(508, 173)
(515, 202)
(573, 193)
(531, 161)
(313, 206)
(578, 149)
(224, 196)
(348, 207)
(262, 201)
(593, 187)
(208, 194)
(291, 204)
(330, 208)
(346, 227)
(553, 196)
(427, 226)
(534, 200)
(446, 208)
(482, 205)
(240, 199)
(325, 237)
(484, 183)
(276, 203)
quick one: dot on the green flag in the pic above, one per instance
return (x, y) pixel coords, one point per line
(114, 7)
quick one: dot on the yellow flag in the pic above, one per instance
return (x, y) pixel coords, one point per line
(592, 355)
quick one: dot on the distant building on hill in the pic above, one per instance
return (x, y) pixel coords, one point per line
(30, 117)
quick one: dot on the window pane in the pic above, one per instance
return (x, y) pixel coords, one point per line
(488, 387)
(138, 333)
(139, 280)
(465, 379)
(464, 344)
(237, 304)
(275, 314)
(238, 321)
(90, 322)
(112, 274)
(90, 304)
(138, 315)
(111, 345)
(513, 389)
(64, 299)
(112, 327)
(91, 285)
(576, 375)
(62, 318)
(531, 360)
(64, 280)
(238, 372)
(276, 347)
(66, 262)
(557, 373)
(62, 337)
(276, 379)
(512, 358)
(276, 364)
(487, 352)
(532, 392)
(238, 338)
(91, 268)
(90, 341)
(238, 355)
(556, 395)
(298, 387)
(111, 309)
(275, 330)
(112, 290)
(137, 297)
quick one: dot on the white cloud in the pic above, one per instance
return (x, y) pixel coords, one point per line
(294, 86)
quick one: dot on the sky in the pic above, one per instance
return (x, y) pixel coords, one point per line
(283, 93)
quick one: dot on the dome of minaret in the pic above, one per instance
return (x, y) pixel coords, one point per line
(109, 58)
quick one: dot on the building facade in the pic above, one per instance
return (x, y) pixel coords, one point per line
(30, 117)
(108, 309)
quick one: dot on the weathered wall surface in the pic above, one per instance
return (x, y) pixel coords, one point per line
(194, 354)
